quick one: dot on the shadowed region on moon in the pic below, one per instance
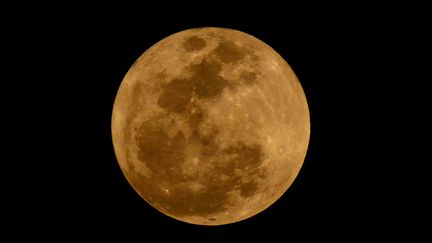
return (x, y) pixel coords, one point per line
(195, 194)
(201, 154)
(228, 52)
(194, 43)
(206, 82)
(248, 77)
(165, 156)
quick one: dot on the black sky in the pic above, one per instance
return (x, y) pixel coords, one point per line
(75, 62)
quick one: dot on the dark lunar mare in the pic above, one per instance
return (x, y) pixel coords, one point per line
(165, 155)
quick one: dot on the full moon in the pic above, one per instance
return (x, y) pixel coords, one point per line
(210, 126)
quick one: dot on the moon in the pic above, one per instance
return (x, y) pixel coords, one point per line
(210, 126)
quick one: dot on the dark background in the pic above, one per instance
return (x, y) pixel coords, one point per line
(71, 62)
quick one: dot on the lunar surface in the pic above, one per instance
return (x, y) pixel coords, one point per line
(210, 126)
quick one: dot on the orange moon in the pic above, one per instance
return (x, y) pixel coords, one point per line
(210, 126)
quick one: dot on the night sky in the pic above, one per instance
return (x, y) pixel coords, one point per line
(76, 186)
